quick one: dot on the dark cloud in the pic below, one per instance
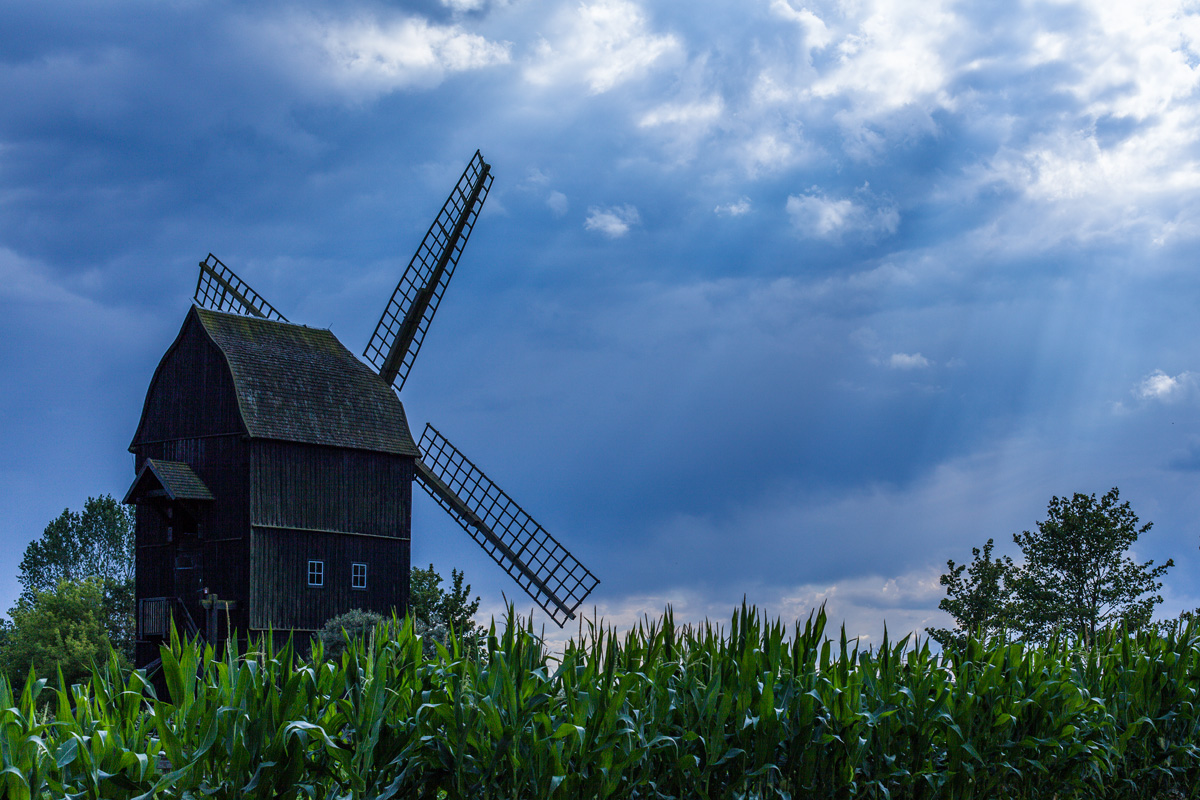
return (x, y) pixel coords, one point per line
(707, 405)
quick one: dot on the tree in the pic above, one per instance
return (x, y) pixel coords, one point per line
(61, 628)
(980, 602)
(97, 543)
(1075, 577)
(433, 607)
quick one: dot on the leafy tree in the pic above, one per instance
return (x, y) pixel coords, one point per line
(433, 607)
(60, 628)
(1076, 576)
(96, 543)
(980, 602)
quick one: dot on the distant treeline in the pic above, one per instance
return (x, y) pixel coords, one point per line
(748, 710)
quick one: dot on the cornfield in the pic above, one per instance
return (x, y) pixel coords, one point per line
(747, 710)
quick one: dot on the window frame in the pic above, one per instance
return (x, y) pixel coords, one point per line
(354, 565)
(319, 573)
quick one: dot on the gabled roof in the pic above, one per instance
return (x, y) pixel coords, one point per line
(171, 479)
(301, 384)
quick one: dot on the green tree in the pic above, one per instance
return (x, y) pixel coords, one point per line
(60, 628)
(1076, 576)
(95, 543)
(433, 607)
(980, 601)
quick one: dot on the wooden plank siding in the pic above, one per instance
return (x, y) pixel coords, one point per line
(281, 598)
(326, 488)
(191, 394)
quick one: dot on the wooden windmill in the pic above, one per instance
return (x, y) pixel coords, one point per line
(275, 469)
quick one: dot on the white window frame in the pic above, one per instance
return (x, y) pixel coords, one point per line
(354, 575)
(318, 573)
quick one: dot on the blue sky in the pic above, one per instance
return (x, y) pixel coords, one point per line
(791, 301)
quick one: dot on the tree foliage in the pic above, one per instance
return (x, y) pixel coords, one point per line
(1077, 573)
(430, 604)
(59, 629)
(355, 623)
(96, 543)
(435, 613)
(978, 601)
(1076, 577)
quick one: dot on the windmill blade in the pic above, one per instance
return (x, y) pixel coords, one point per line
(219, 289)
(401, 329)
(532, 557)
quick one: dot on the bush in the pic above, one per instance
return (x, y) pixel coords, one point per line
(355, 624)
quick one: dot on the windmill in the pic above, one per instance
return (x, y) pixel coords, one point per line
(301, 405)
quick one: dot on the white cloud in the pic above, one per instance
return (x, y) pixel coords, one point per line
(893, 57)
(908, 361)
(462, 6)
(1165, 388)
(557, 203)
(817, 216)
(699, 114)
(1124, 156)
(734, 209)
(602, 44)
(613, 222)
(816, 33)
(381, 56)
(774, 152)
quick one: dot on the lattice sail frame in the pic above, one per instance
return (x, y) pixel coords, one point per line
(401, 329)
(219, 289)
(524, 549)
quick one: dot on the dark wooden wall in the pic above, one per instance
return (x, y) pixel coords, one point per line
(191, 415)
(336, 505)
(330, 489)
(191, 394)
(280, 596)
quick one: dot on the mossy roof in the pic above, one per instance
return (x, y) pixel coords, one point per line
(301, 384)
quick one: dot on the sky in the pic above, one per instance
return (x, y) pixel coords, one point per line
(779, 300)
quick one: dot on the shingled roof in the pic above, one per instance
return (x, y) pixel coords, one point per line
(300, 384)
(174, 479)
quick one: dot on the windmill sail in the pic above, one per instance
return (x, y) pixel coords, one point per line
(219, 289)
(397, 338)
(524, 549)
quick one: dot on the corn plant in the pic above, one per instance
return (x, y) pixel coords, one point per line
(748, 709)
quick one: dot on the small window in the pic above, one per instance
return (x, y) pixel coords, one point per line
(316, 573)
(358, 576)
